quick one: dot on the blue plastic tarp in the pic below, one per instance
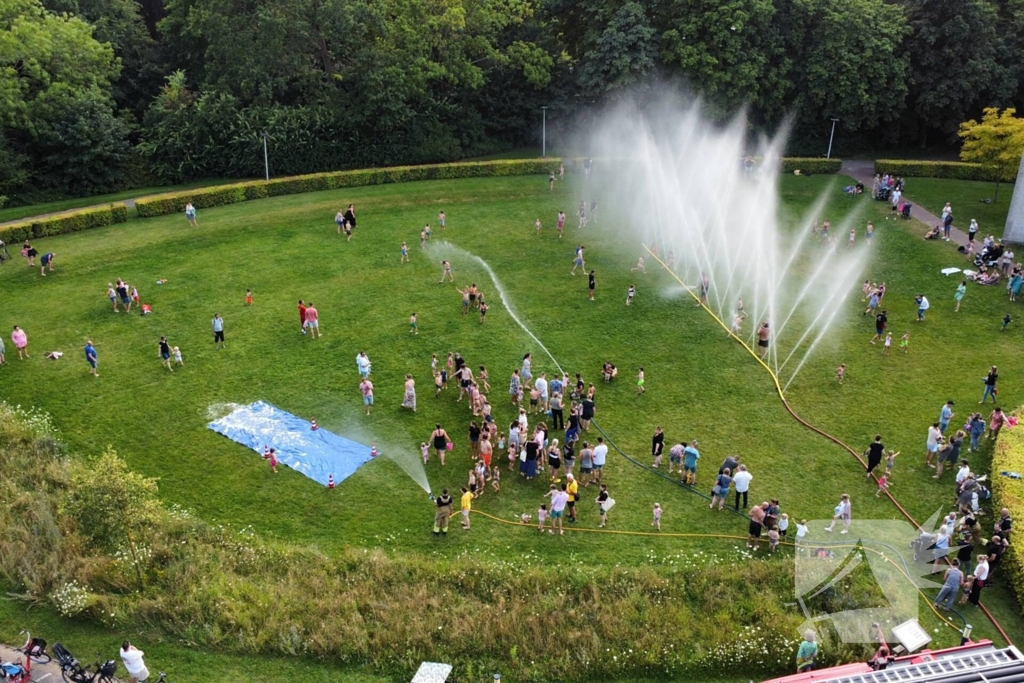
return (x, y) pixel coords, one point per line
(317, 454)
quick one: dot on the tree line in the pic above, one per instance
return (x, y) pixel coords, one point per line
(97, 95)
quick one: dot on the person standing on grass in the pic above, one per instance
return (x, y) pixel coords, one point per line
(763, 337)
(990, 385)
(447, 272)
(467, 505)
(690, 457)
(720, 491)
(959, 295)
(441, 218)
(133, 662)
(844, 512)
(20, 340)
(945, 415)
(122, 293)
(657, 445)
(757, 515)
(366, 388)
(443, 513)
(218, 329)
(922, 306)
(363, 364)
(91, 358)
(3, 351)
(741, 480)
(561, 223)
(952, 580)
(600, 456)
(165, 352)
(604, 503)
(559, 499)
(980, 579)
(932, 443)
(190, 215)
(46, 263)
(995, 422)
(806, 653)
(313, 321)
(409, 401)
(874, 454)
(302, 316)
(578, 261)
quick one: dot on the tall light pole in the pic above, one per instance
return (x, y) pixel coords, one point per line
(266, 160)
(833, 134)
(544, 132)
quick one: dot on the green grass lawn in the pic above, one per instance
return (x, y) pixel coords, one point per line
(699, 384)
(17, 212)
(966, 198)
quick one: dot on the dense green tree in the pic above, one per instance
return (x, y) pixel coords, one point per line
(622, 54)
(954, 67)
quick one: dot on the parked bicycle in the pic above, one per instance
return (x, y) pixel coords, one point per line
(73, 671)
(35, 648)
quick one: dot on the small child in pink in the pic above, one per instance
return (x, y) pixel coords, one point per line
(883, 485)
(542, 515)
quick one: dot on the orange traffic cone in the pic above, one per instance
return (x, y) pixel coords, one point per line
(312, 424)
(373, 451)
(330, 481)
(266, 452)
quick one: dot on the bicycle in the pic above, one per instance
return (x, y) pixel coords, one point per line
(35, 648)
(73, 672)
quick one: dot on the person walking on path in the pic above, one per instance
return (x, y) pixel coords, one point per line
(133, 662)
(843, 512)
(741, 479)
(990, 385)
(313, 321)
(91, 358)
(959, 295)
(953, 579)
(947, 221)
(20, 340)
(218, 329)
(439, 440)
(874, 453)
(443, 513)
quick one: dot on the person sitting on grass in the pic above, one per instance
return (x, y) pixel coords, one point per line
(934, 233)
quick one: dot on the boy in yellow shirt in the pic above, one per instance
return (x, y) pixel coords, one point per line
(467, 505)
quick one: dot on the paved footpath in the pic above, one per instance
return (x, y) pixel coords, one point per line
(130, 203)
(864, 172)
(46, 673)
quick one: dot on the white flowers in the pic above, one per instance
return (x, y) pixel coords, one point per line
(70, 598)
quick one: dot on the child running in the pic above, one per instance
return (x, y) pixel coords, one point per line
(639, 266)
(905, 342)
(424, 452)
(640, 381)
(657, 517)
(176, 352)
(883, 485)
(630, 293)
(888, 343)
(890, 460)
(841, 373)
(413, 328)
(561, 223)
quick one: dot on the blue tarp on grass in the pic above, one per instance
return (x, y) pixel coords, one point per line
(315, 454)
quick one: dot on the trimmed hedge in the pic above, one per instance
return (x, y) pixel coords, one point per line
(62, 223)
(1008, 456)
(811, 165)
(954, 170)
(174, 202)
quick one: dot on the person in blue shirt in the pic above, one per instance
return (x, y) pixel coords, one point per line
(91, 358)
(690, 457)
(945, 416)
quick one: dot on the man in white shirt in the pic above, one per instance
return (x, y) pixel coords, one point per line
(363, 363)
(980, 579)
(541, 384)
(932, 444)
(132, 658)
(600, 454)
(963, 472)
(742, 481)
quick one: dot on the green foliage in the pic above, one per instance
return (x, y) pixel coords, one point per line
(911, 168)
(622, 54)
(71, 221)
(811, 165)
(256, 189)
(1008, 456)
(996, 143)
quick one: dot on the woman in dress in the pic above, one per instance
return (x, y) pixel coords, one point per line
(524, 374)
(410, 394)
(513, 387)
(439, 439)
(20, 340)
(528, 467)
(554, 459)
(350, 216)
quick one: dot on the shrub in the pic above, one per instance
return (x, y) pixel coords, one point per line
(70, 221)
(1008, 456)
(954, 170)
(810, 165)
(203, 198)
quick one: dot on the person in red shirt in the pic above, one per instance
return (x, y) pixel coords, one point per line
(302, 316)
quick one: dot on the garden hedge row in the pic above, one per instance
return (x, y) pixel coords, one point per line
(954, 170)
(70, 221)
(1008, 456)
(811, 165)
(174, 202)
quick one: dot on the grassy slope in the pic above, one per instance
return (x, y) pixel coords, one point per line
(966, 197)
(698, 384)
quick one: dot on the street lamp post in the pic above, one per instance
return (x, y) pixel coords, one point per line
(544, 132)
(830, 137)
(266, 159)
